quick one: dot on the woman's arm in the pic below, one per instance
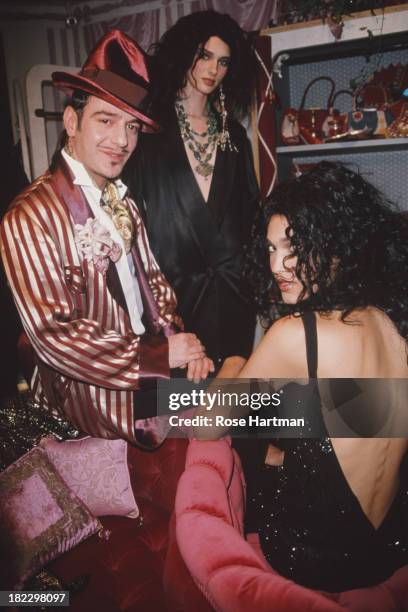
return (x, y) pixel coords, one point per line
(280, 354)
(231, 367)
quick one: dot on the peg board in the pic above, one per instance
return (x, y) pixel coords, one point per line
(386, 169)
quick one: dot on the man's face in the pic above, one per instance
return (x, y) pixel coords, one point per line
(103, 139)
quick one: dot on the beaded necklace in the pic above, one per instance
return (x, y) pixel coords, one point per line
(202, 151)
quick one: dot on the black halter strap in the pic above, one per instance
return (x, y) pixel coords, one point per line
(309, 323)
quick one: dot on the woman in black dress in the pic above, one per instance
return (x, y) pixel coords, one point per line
(195, 180)
(331, 513)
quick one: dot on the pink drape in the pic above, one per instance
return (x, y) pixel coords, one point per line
(147, 27)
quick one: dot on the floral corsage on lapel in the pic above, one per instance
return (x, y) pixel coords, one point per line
(96, 244)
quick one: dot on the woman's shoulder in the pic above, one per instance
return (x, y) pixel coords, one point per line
(240, 138)
(237, 129)
(358, 321)
(286, 328)
(281, 352)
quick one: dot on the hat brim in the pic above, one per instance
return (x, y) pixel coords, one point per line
(68, 82)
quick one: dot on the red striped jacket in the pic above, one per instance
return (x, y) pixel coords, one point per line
(89, 361)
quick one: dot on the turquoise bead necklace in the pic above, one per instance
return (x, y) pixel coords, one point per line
(202, 151)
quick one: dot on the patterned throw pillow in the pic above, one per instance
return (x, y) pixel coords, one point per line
(40, 518)
(96, 470)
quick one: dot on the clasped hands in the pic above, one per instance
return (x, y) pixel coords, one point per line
(186, 351)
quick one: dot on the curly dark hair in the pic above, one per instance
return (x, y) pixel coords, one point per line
(335, 218)
(174, 54)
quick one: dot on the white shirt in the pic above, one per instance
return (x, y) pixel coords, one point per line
(124, 266)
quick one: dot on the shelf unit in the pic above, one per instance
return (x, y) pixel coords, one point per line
(355, 146)
(308, 50)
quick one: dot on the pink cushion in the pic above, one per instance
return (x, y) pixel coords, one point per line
(40, 518)
(96, 470)
(125, 572)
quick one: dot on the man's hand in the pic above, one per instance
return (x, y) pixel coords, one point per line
(199, 369)
(184, 348)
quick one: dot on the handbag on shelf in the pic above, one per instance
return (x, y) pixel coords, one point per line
(383, 90)
(375, 107)
(336, 123)
(358, 123)
(305, 124)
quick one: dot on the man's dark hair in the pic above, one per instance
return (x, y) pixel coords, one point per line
(78, 101)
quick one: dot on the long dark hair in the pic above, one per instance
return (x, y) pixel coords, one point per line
(174, 54)
(350, 242)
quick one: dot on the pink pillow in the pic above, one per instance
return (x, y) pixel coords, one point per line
(40, 518)
(96, 470)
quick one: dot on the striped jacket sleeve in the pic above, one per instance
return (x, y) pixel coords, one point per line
(100, 350)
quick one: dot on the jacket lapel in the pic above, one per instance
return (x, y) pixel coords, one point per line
(219, 197)
(72, 196)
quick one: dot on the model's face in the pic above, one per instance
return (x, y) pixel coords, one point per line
(103, 140)
(210, 66)
(282, 260)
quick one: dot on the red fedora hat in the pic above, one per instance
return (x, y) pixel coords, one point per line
(115, 71)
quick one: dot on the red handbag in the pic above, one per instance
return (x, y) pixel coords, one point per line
(336, 123)
(383, 90)
(305, 125)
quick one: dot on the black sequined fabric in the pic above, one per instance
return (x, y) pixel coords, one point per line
(311, 526)
(23, 423)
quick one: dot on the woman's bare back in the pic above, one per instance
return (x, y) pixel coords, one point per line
(367, 346)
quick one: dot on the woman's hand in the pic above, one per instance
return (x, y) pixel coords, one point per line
(231, 367)
(199, 369)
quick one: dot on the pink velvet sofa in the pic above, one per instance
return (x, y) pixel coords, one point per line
(231, 571)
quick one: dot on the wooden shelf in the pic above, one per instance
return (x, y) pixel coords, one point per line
(388, 10)
(373, 145)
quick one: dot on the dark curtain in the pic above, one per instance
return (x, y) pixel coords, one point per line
(13, 180)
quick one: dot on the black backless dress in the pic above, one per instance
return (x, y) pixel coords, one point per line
(311, 526)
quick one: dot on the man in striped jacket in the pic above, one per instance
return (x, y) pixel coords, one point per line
(96, 308)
